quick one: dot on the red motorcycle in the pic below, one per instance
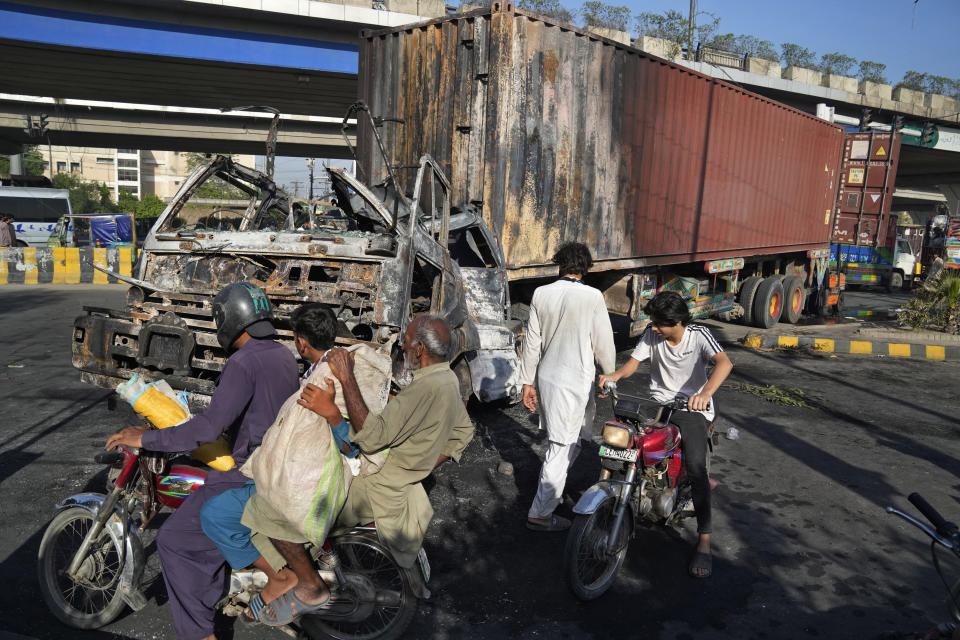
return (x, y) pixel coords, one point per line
(642, 478)
(91, 558)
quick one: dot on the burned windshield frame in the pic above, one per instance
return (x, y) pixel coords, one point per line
(254, 213)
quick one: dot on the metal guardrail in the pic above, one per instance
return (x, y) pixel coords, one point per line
(719, 57)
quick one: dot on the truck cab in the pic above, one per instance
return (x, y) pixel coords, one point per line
(378, 260)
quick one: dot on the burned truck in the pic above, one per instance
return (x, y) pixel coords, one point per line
(379, 259)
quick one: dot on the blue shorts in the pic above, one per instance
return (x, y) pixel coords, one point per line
(220, 519)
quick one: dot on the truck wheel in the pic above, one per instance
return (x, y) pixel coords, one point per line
(748, 291)
(768, 303)
(793, 299)
(896, 281)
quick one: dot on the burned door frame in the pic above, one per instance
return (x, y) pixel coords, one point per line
(428, 241)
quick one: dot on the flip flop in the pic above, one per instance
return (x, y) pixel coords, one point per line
(255, 606)
(287, 607)
(701, 565)
(557, 523)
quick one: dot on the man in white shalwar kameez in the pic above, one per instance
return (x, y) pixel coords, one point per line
(568, 330)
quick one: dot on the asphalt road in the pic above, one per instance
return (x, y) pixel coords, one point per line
(803, 548)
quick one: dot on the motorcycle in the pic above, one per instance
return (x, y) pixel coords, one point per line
(642, 479)
(945, 534)
(91, 558)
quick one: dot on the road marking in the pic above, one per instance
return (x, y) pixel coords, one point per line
(899, 350)
(936, 352)
(789, 341)
(860, 346)
(822, 344)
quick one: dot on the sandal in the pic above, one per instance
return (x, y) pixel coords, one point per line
(287, 607)
(556, 523)
(701, 565)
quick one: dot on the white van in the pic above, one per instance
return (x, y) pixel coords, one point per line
(35, 212)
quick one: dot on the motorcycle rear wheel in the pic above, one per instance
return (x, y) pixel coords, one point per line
(590, 569)
(95, 599)
(394, 606)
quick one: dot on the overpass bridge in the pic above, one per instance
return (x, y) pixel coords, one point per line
(155, 73)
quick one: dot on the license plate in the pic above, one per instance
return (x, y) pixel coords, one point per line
(626, 455)
(424, 564)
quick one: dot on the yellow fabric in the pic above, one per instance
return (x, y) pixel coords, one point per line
(163, 411)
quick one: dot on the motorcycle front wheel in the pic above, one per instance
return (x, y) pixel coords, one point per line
(591, 567)
(93, 599)
(384, 600)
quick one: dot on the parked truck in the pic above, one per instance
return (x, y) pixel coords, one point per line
(868, 246)
(485, 140)
(673, 179)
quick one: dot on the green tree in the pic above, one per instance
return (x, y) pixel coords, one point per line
(675, 27)
(127, 202)
(214, 188)
(549, 8)
(913, 80)
(837, 63)
(32, 162)
(793, 55)
(150, 206)
(872, 72)
(84, 196)
(599, 14)
(938, 84)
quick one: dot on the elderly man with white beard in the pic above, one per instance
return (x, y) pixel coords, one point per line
(422, 426)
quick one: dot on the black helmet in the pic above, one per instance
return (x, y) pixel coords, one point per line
(241, 307)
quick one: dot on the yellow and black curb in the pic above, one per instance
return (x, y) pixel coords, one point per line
(861, 347)
(64, 265)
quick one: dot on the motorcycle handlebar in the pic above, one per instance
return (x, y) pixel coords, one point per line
(943, 527)
(108, 457)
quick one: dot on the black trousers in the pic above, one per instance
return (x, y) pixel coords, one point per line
(693, 435)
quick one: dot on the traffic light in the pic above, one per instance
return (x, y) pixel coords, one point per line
(929, 134)
(897, 122)
(28, 129)
(866, 117)
(43, 123)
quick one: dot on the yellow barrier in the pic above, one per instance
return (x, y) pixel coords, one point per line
(124, 260)
(3, 272)
(73, 265)
(30, 270)
(59, 257)
(100, 260)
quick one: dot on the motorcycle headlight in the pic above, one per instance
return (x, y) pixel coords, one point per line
(617, 435)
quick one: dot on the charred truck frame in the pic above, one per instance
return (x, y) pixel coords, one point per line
(380, 260)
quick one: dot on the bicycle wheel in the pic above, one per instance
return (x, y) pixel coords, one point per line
(93, 599)
(384, 602)
(591, 568)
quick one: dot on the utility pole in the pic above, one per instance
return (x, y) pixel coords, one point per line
(693, 16)
(310, 162)
(296, 187)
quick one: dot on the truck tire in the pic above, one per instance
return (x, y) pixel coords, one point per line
(768, 303)
(748, 291)
(794, 295)
(896, 281)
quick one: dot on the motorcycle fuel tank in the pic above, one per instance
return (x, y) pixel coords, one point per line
(179, 482)
(659, 444)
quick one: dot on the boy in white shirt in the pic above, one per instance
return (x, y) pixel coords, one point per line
(679, 354)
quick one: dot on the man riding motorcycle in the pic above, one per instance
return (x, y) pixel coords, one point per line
(256, 380)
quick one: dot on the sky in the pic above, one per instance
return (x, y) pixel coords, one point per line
(902, 34)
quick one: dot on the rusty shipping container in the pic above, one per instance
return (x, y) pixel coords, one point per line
(867, 178)
(561, 135)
